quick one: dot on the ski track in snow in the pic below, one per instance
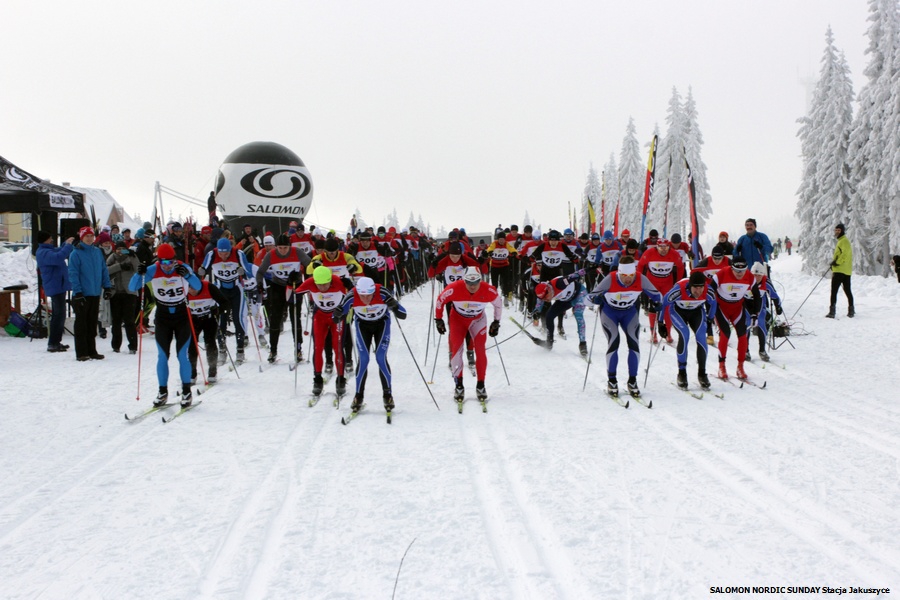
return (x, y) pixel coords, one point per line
(554, 493)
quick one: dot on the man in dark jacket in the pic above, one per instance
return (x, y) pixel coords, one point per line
(122, 265)
(55, 279)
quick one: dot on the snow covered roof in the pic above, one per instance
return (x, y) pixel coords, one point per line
(107, 210)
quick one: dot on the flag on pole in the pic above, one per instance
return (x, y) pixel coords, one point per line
(591, 216)
(695, 227)
(648, 186)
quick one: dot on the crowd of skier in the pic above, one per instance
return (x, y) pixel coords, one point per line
(203, 286)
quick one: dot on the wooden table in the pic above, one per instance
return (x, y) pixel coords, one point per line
(8, 299)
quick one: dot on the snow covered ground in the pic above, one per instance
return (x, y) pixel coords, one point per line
(555, 493)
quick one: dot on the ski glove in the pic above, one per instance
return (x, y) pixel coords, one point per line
(576, 275)
(126, 266)
(661, 328)
(352, 269)
(337, 316)
(182, 270)
(752, 321)
(778, 309)
(441, 328)
(107, 294)
(142, 269)
(294, 278)
(494, 329)
(834, 263)
(401, 315)
(241, 272)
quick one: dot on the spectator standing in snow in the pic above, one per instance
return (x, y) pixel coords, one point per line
(90, 279)
(122, 265)
(841, 269)
(754, 246)
(55, 280)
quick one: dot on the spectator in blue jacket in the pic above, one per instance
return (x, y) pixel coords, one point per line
(89, 276)
(754, 246)
(55, 280)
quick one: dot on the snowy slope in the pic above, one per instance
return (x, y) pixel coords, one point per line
(555, 493)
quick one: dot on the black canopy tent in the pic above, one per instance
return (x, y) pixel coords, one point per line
(22, 192)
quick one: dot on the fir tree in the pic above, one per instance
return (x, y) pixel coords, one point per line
(592, 191)
(632, 176)
(693, 141)
(611, 187)
(824, 194)
(872, 143)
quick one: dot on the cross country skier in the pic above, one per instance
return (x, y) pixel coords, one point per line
(618, 295)
(564, 293)
(468, 299)
(732, 286)
(765, 291)
(500, 253)
(203, 303)
(693, 308)
(327, 295)
(285, 264)
(227, 266)
(370, 303)
(663, 267)
(169, 281)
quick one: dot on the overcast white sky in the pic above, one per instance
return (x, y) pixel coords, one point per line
(469, 113)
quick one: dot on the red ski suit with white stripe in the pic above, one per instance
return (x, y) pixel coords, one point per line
(467, 316)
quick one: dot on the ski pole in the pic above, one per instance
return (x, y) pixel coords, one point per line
(502, 364)
(295, 325)
(810, 294)
(252, 326)
(428, 337)
(187, 307)
(227, 353)
(650, 361)
(591, 351)
(140, 337)
(433, 399)
(434, 368)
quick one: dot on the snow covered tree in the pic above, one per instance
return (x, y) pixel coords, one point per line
(441, 232)
(611, 188)
(693, 141)
(632, 176)
(526, 220)
(671, 177)
(592, 191)
(360, 222)
(873, 149)
(824, 194)
(392, 220)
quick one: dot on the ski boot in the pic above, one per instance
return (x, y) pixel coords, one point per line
(357, 403)
(329, 364)
(704, 381)
(740, 371)
(318, 384)
(670, 339)
(348, 364)
(480, 392)
(654, 338)
(388, 401)
(186, 395)
(561, 331)
(161, 397)
(470, 356)
(299, 355)
(764, 355)
(612, 388)
(239, 356)
(582, 347)
(723, 373)
(830, 314)
(633, 387)
(340, 386)
(851, 312)
(221, 359)
(460, 392)
(262, 341)
(682, 379)
(273, 356)
(212, 374)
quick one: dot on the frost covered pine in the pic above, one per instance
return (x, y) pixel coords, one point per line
(671, 175)
(873, 146)
(693, 144)
(592, 192)
(632, 176)
(824, 194)
(611, 189)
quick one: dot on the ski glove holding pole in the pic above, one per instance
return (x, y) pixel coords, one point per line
(441, 327)
(661, 328)
(494, 329)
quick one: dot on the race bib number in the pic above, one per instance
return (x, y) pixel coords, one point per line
(372, 312)
(327, 301)
(452, 274)
(225, 271)
(659, 268)
(552, 258)
(168, 290)
(732, 292)
(621, 300)
(469, 309)
(283, 270)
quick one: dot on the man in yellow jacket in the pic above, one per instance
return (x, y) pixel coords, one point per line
(841, 268)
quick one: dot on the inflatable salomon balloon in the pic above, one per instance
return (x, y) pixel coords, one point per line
(264, 185)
